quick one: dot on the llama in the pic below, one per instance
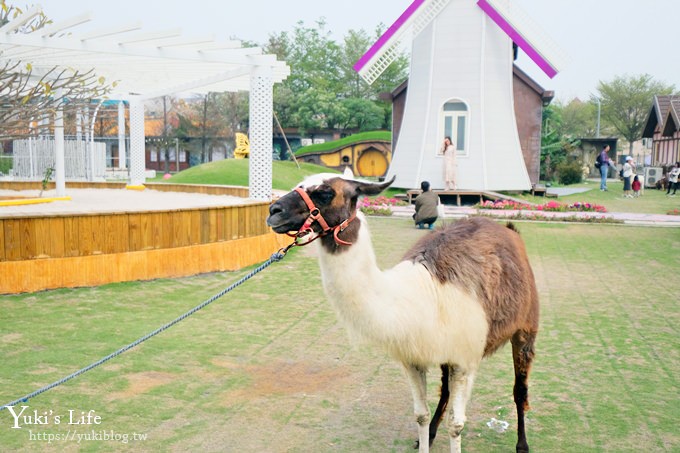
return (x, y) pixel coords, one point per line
(460, 293)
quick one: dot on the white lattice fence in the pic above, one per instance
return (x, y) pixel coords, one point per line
(33, 156)
(261, 125)
(137, 148)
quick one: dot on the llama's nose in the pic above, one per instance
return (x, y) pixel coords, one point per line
(275, 208)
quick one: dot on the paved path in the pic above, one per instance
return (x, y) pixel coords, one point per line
(628, 218)
(564, 191)
(119, 200)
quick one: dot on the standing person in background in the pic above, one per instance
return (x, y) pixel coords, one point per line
(605, 162)
(450, 164)
(628, 172)
(673, 175)
(426, 207)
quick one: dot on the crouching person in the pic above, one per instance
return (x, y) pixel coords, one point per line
(426, 207)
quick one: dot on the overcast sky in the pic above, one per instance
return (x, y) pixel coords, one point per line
(603, 38)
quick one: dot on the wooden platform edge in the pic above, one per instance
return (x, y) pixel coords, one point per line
(43, 274)
(481, 194)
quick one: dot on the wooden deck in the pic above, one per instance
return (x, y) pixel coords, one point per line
(460, 195)
(477, 195)
(48, 250)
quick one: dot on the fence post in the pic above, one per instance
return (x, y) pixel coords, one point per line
(59, 167)
(137, 151)
(261, 128)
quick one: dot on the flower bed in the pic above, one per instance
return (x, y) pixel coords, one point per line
(551, 206)
(378, 206)
(542, 218)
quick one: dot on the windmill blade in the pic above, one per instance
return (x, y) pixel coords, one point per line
(527, 34)
(386, 48)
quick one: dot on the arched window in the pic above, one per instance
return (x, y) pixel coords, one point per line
(454, 124)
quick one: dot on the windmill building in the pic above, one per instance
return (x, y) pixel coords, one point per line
(461, 85)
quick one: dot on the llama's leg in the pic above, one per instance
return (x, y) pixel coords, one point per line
(418, 380)
(440, 412)
(441, 406)
(522, 355)
(460, 385)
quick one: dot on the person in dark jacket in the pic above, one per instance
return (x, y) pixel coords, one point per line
(426, 207)
(604, 163)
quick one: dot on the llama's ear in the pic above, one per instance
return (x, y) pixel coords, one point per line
(367, 188)
(348, 173)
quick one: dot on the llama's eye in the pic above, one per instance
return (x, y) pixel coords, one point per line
(323, 195)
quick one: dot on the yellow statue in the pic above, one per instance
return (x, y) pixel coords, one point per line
(242, 146)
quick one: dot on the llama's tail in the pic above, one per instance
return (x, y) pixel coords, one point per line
(512, 227)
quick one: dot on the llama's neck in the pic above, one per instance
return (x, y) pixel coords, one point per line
(362, 294)
(357, 263)
(402, 309)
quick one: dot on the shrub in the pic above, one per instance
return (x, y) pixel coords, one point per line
(6, 163)
(570, 172)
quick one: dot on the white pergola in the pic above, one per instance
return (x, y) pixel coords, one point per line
(146, 65)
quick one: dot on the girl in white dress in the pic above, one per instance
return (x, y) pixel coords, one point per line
(450, 164)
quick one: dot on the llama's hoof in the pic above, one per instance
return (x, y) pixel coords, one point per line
(416, 444)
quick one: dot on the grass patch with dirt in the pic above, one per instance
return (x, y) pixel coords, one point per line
(269, 368)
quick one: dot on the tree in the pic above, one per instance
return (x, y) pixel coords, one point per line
(167, 140)
(306, 99)
(578, 119)
(626, 102)
(212, 118)
(26, 96)
(323, 90)
(355, 44)
(555, 145)
(199, 119)
(363, 114)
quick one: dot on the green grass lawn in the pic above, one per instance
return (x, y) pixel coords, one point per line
(268, 367)
(651, 202)
(234, 172)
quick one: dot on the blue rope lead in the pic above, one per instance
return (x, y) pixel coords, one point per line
(278, 256)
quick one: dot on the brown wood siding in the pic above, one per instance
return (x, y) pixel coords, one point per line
(529, 115)
(26, 238)
(41, 274)
(666, 149)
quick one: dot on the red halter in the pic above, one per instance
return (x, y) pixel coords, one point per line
(306, 234)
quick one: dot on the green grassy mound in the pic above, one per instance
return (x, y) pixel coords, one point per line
(335, 144)
(234, 172)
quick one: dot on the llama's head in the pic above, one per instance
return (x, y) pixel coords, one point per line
(322, 204)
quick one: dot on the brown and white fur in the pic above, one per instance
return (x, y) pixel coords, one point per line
(459, 294)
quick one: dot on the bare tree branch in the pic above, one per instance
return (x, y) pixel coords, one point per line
(26, 96)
